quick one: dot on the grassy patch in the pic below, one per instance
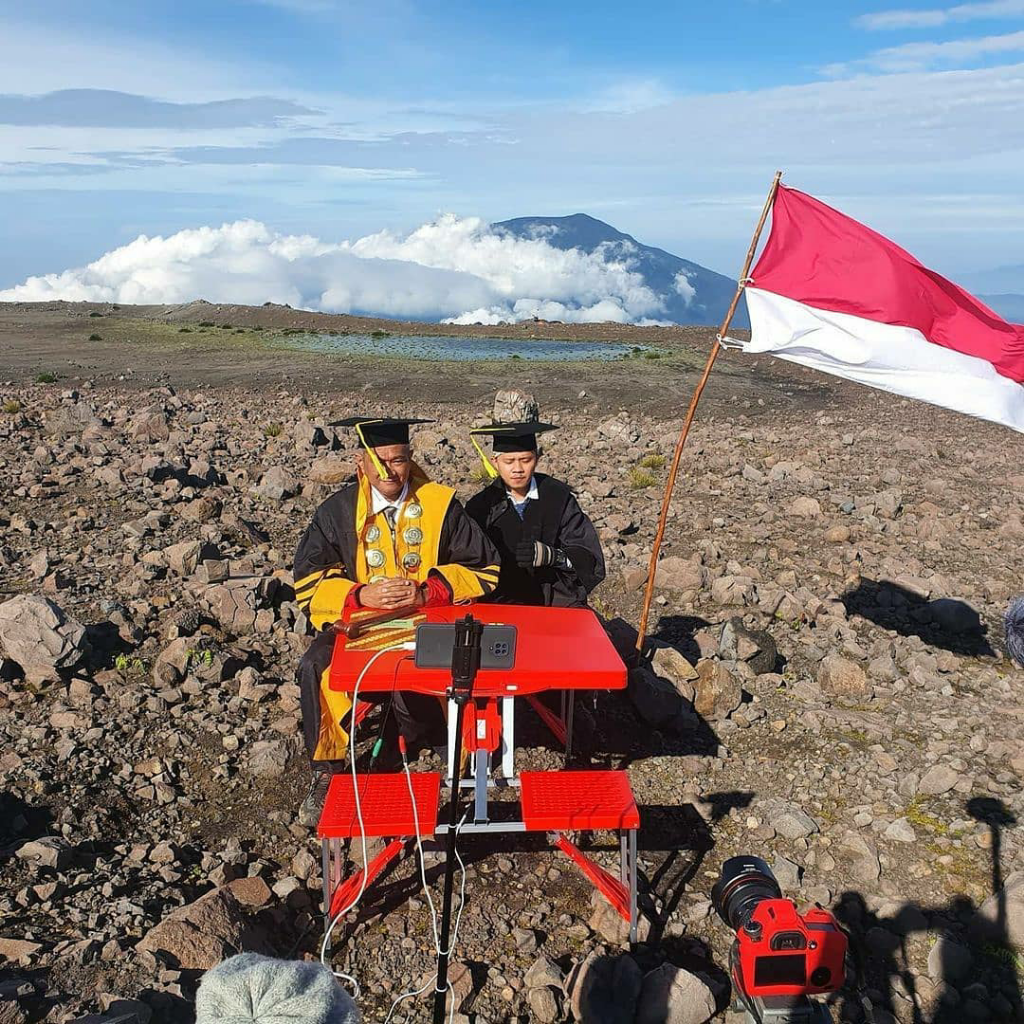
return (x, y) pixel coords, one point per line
(273, 430)
(184, 330)
(46, 377)
(11, 406)
(95, 313)
(379, 334)
(917, 816)
(653, 461)
(640, 478)
(206, 323)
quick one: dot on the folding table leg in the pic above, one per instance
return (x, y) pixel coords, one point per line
(632, 885)
(508, 735)
(569, 714)
(623, 860)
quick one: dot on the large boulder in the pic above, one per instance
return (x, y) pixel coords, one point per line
(718, 692)
(37, 635)
(70, 419)
(201, 934)
(603, 989)
(841, 677)
(675, 573)
(672, 995)
(277, 484)
(1000, 919)
(514, 406)
(656, 700)
(754, 646)
(150, 424)
(330, 470)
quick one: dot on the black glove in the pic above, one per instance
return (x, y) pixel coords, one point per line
(532, 554)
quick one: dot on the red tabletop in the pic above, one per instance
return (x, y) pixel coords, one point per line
(556, 649)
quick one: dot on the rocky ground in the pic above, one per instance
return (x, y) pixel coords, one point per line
(827, 689)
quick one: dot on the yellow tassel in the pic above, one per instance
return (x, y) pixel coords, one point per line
(373, 455)
(488, 466)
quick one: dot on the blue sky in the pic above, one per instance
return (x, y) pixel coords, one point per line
(339, 119)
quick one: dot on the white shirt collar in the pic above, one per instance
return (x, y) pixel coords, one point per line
(531, 493)
(379, 502)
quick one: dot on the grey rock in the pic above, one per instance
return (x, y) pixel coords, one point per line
(37, 635)
(672, 995)
(949, 961)
(268, 758)
(604, 989)
(47, 852)
(277, 484)
(656, 700)
(939, 779)
(756, 647)
(718, 691)
(841, 677)
(789, 820)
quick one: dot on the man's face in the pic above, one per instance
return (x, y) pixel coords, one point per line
(396, 459)
(515, 468)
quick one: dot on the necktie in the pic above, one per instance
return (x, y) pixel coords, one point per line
(389, 514)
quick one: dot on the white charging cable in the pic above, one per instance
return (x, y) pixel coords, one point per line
(356, 992)
(412, 993)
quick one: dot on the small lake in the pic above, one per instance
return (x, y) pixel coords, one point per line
(460, 350)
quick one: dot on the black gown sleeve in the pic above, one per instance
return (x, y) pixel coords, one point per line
(322, 581)
(578, 539)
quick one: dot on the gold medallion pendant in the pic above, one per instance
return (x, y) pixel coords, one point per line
(411, 561)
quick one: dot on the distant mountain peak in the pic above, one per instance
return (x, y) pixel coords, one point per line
(690, 293)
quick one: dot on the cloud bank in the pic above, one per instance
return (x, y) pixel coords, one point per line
(457, 269)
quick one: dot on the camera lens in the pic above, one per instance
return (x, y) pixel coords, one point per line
(744, 882)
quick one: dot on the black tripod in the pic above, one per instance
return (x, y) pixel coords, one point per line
(465, 663)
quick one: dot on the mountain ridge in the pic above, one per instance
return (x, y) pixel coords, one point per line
(690, 293)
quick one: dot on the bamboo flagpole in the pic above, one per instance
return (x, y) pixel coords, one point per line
(691, 411)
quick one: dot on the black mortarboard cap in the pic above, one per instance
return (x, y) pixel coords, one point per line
(514, 437)
(376, 431)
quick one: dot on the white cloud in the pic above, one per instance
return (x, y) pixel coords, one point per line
(454, 267)
(919, 56)
(931, 18)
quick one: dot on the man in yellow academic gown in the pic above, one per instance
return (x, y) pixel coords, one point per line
(389, 539)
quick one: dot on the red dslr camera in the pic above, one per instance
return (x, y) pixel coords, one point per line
(780, 957)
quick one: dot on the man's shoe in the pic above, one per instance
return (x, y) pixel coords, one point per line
(313, 805)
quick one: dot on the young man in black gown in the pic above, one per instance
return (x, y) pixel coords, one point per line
(550, 552)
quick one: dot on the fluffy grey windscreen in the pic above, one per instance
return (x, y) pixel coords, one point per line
(1013, 623)
(254, 989)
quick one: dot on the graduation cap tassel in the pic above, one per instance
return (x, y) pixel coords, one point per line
(369, 451)
(488, 465)
(691, 411)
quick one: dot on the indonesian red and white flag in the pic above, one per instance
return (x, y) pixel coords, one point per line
(833, 295)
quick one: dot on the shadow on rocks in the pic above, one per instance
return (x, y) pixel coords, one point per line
(21, 822)
(972, 969)
(944, 622)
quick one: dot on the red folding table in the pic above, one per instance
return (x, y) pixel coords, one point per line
(562, 649)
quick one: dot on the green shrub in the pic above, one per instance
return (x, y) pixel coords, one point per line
(652, 354)
(226, 327)
(273, 430)
(46, 377)
(95, 312)
(653, 461)
(184, 330)
(380, 334)
(639, 478)
(206, 323)
(95, 337)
